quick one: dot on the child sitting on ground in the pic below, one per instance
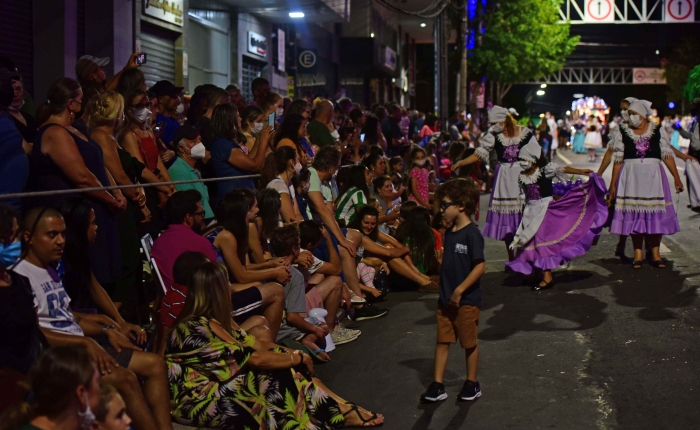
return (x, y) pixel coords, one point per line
(460, 289)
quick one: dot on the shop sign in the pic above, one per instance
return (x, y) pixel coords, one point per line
(280, 50)
(389, 58)
(304, 80)
(166, 10)
(257, 44)
(308, 61)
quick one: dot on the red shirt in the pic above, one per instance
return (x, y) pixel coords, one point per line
(172, 304)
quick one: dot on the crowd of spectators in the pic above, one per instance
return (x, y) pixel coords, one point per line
(250, 266)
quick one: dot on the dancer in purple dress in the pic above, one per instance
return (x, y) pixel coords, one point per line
(553, 232)
(644, 204)
(505, 206)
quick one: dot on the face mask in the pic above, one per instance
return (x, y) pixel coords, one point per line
(9, 254)
(419, 162)
(180, 109)
(197, 151)
(497, 128)
(635, 120)
(257, 127)
(306, 188)
(335, 135)
(297, 167)
(142, 115)
(85, 419)
(525, 164)
(625, 115)
(279, 112)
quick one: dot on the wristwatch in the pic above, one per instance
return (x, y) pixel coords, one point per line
(107, 327)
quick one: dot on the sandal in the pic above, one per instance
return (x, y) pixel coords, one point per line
(659, 264)
(314, 353)
(637, 264)
(548, 286)
(356, 409)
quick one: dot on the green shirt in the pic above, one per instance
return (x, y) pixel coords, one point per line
(349, 202)
(319, 134)
(181, 171)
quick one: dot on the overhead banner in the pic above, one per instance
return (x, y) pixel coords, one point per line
(599, 11)
(648, 76)
(679, 11)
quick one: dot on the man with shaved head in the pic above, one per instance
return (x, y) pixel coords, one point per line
(321, 126)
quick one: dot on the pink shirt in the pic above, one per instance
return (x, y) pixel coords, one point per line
(425, 131)
(175, 241)
(421, 176)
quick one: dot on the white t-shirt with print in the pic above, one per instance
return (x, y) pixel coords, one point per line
(50, 299)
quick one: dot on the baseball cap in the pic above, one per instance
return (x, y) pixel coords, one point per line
(184, 132)
(87, 64)
(9, 74)
(165, 88)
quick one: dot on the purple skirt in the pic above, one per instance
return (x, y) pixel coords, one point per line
(665, 222)
(568, 230)
(499, 225)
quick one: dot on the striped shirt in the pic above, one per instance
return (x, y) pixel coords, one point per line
(348, 203)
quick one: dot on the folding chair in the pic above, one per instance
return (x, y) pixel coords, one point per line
(147, 246)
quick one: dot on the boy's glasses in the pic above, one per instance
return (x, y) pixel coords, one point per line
(445, 205)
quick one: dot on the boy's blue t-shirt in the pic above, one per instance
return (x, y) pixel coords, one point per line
(462, 249)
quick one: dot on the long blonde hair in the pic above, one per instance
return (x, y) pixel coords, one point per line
(107, 109)
(209, 295)
(511, 126)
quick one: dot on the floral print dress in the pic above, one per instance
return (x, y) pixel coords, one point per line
(211, 386)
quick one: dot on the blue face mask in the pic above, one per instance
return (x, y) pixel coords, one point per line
(9, 254)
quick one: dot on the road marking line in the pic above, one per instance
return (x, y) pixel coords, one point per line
(663, 249)
(566, 160)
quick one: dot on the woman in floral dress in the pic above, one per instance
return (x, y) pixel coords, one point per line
(222, 377)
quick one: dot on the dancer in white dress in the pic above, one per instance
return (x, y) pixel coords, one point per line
(593, 140)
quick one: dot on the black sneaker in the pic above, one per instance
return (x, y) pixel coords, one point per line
(470, 391)
(368, 312)
(436, 393)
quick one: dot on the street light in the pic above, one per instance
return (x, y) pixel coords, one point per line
(568, 112)
(543, 86)
(371, 35)
(540, 92)
(671, 105)
(541, 115)
(422, 24)
(296, 14)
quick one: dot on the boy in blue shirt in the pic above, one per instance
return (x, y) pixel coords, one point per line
(460, 289)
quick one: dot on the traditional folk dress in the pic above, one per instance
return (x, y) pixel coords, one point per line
(644, 203)
(554, 232)
(505, 206)
(593, 140)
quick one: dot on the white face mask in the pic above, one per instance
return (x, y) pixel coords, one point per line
(497, 128)
(635, 120)
(198, 151)
(257, 127)
(279, 112)
(85, 419)
(16, 108)
(420, 162)
(525, 164)
(180, 109)
(335, 135)
(297, 167)
(142, 115)
(625, 115)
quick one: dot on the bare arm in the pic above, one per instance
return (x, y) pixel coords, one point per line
(575, 171)
(617, 167)
(287, 210)
(606, 161)
(254, 244)
(239, 159)
(229, 248)
(382, 251)
(670, 162)
(112, 82)
(131, 144)
(465, 162)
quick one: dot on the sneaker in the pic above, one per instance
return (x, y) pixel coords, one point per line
(368, 312)
(341, 336)
(436, 393)
(352, 332)
(355, 299)
(470, 391)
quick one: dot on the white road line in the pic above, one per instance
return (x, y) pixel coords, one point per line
(566, 160)
(663, 249)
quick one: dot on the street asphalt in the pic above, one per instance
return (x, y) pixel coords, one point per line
(608, 348)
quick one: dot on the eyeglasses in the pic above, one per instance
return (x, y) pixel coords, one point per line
(80, 102)
(200, 213)
(445, 205)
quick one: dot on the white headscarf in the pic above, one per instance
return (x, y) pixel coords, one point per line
(531, 152)
(497, 114)
(642, 107)
(513, 112)
(630, 100)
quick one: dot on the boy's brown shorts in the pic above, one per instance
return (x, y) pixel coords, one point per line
(462, 322)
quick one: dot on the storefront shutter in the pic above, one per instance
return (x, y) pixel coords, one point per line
(160, 53)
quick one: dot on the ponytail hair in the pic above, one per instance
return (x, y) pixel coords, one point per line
(60, 94)
(105, 109)
(52, 382)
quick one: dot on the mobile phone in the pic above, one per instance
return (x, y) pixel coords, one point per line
(271, 119)
(362, 137)
(141, 58)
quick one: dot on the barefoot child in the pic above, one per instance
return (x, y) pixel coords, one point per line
(460, 289)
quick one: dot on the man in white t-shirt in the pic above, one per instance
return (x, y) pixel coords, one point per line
(119, 361)
(554, 131)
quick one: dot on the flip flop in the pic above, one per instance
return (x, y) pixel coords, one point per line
(314, 354)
